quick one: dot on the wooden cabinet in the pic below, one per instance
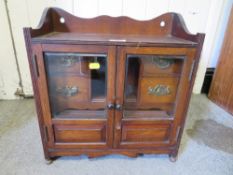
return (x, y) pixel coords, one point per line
(111, 85)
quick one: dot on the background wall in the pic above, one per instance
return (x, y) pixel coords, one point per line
(208, 16)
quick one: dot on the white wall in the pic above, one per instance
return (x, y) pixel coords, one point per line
(220, 31)
(9, 79)
(199, 15)
(217, 10)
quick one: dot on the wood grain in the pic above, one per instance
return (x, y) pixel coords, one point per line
(221, 90)
(128, 127)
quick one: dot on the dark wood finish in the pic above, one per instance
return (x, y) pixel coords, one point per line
(112, 124)
(80, 133)
(221, 90)
(146, 98)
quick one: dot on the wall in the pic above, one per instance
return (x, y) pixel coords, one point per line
(220, 31)
(197, 15)
(9, 79)
(216, 11)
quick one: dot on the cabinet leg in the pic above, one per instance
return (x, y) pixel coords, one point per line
(173, 156)
(49, 160)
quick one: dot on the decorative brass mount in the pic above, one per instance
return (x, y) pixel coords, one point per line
(67, 90)
(159, 90)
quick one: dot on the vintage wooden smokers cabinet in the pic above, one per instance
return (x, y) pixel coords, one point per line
(111, 85)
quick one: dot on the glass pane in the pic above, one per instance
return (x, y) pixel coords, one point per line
(76, 84)
(151, 84)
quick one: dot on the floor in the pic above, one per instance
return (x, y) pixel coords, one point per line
(206, 148)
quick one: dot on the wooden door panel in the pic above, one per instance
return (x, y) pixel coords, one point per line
(164, 104)
(62, 106)
(80, 133)
(150, 132)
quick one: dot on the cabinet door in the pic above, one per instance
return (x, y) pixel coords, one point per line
(76, 90)
(151, 96)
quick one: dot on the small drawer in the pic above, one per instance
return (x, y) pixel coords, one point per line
(157, 90)
(71, 88)
(149, 132)
(59, 63)
(153, 66)
(80, 133)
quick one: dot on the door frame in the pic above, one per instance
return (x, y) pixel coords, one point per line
(41, 83)
(181, 98)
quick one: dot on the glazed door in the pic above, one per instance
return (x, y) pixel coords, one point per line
(76, 83)
(152, 86)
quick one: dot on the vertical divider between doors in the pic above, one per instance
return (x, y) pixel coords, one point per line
(111, 88)
(120, 77)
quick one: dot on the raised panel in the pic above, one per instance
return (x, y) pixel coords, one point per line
(80, 133)
(141, 133)
(145, 133)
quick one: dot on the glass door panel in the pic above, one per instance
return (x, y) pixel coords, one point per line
(151, 84)
(77, 84)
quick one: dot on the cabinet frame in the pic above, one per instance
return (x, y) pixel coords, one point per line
(43, 94)
(182, 92)
(113, 34)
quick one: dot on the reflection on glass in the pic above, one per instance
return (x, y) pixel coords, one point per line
(151, 82)
(76, 83)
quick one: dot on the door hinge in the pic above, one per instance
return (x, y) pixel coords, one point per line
(46, 134)
(191, 71)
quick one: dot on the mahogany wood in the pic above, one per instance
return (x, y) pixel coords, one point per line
(221, 90)
(112, 124)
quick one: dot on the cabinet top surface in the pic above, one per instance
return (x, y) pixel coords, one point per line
(110, 39)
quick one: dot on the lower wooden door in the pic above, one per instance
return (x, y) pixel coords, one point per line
(151, 95)
(76, 88)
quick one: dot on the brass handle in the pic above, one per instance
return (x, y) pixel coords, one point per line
(162, 63)
(118, 107)
(159, 90)
(110, 106)
(67, 90)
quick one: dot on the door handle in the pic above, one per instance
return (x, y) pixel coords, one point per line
(110, 106)
(118, 107)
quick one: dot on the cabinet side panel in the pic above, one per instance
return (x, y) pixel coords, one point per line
(27, 37)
